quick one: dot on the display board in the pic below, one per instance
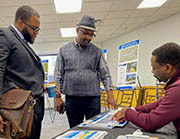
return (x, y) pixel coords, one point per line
(128, 65)
(49, 62)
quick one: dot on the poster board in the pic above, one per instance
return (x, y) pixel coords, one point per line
(48, 61)
(128, 65)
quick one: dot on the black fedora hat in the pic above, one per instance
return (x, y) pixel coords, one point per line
(87, 22)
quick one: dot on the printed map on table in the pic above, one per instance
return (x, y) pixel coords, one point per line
(83, 134)
(103, 121)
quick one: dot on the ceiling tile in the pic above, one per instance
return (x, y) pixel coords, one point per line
(68, 24)
(8, 3)
(2, 22)
(167, 11)
(125, 4)
(143, 12)
(117, 17)
(10, 12)
(108, 28)
(96, 15)
(49, 26)
(172, 3)
(113, 21)
(96, 0)
(69, 17)
(48, 18)
(39, 2)
(118, 14)
(48, 32)
(133, 20)
(23, 2)
(156, 18)
(44, 9)
(8, 19)
(96, 6)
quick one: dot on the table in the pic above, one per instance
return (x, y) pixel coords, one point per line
(167, 132)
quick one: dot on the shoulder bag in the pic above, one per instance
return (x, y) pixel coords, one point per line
(17, 111)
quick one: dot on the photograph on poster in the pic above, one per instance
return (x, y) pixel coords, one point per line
(132, 67)
(128, 54)
(131, 78)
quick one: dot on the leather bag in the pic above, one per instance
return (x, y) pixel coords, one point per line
(17, 111)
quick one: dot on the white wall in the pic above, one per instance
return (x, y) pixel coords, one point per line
(46, 48)
(150, 37)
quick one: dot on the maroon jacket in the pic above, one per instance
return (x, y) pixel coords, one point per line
(155, 115)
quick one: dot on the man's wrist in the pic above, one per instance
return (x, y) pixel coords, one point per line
(110, 92)
(124, 110)
(58, 95)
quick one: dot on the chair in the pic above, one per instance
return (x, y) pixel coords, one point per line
(104, 99)
(160, 91)
(149, 97)
(153, 94)
(125, 97)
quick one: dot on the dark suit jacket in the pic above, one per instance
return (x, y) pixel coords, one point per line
(19, 65)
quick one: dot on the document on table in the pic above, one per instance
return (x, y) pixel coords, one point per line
(103, 121)
(83, 134)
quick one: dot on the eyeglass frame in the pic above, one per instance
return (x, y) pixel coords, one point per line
(35, 29)
(86, 33)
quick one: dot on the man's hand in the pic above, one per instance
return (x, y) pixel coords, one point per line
(58, 93)
(119, 116)
(1, 124)
(59, 104)
(110, 100)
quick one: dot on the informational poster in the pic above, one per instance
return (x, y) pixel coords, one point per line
(49, 62)
(128, 64)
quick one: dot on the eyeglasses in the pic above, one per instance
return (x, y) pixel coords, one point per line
(35, 29)
(86, 33)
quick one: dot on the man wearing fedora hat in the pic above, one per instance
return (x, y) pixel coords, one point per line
(80, 67)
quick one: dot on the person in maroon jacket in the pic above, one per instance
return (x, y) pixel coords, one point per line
(165, 62)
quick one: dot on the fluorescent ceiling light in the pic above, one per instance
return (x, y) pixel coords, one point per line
(151, 3)
(68, 32)
(68, 6)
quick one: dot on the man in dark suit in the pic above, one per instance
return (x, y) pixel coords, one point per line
(19, 65)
